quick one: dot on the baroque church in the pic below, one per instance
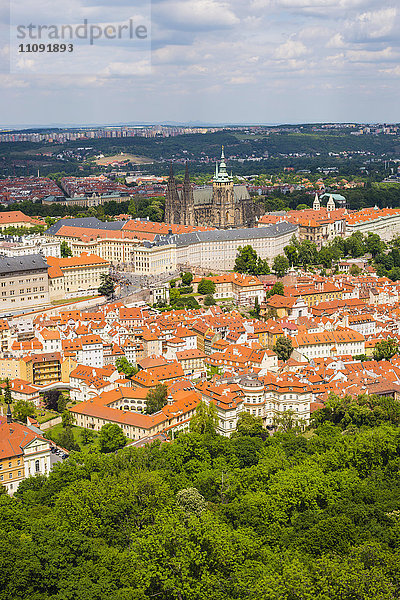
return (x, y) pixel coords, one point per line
(222, 205)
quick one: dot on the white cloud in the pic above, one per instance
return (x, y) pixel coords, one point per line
(195, 14)
(372, 25)
(291, 49)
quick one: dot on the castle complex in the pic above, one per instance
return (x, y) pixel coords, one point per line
(222, 205)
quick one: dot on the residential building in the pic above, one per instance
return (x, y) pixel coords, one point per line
(329, 343)
(24, 283)
(30, 244)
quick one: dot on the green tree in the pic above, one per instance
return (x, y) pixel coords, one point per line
(65, 250)
(255, 312)
(156, 398)
(206, 287)
(174, 295)
(308, 254)
(111, 438)
(132, 208)
(124, 366)
(22, 409)
(289, 420)
(246, 260)
(187, 278)
(277, 289)
(354, 245)
(292, 254)
(326, 257)
(250, 425)
(280, 265)
(7, 392)
(191, 501)
(283, 348)
(374, 245)
(355, 270)
(386, 349)
(209, 300)
(67, 419)
(66, 439)
(107, 286)
(205, 419)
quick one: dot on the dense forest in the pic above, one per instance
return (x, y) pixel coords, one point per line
(313, 516)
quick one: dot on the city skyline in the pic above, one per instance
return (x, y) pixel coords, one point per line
(281, 61)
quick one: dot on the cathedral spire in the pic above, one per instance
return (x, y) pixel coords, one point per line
(221, 174)
(187, 178)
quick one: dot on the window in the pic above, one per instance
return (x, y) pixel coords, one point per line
(10, 476)
(37, 466)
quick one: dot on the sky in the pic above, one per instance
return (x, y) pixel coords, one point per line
(208, 61)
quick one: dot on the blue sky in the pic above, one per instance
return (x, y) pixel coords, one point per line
(212, 61)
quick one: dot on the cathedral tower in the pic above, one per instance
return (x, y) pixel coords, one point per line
(187, 201)
(223, 200)
(172, 200)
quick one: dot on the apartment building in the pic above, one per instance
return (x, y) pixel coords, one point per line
(44, 369)
(30, 244)
(24, 283)
(330, 343)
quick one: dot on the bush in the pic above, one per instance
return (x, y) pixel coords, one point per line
(186, 289)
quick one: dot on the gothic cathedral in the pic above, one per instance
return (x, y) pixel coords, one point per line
(224, 205)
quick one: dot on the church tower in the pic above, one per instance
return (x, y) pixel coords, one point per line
(331, 204)
(316, 203)
(172, 200)
(223, 200)
(187, 215)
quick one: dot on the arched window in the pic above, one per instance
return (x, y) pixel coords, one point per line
(37, 466)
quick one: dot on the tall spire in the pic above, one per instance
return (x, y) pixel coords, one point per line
(9, 414)
(222, 174)
(187, 178)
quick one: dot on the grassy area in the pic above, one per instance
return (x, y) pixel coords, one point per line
(43, 415)
(386, 185)
(72, 300)
(124, 157)
(54, 433)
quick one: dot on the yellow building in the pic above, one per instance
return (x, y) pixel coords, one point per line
(44, 369)
(76, 276)
(23, 452)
